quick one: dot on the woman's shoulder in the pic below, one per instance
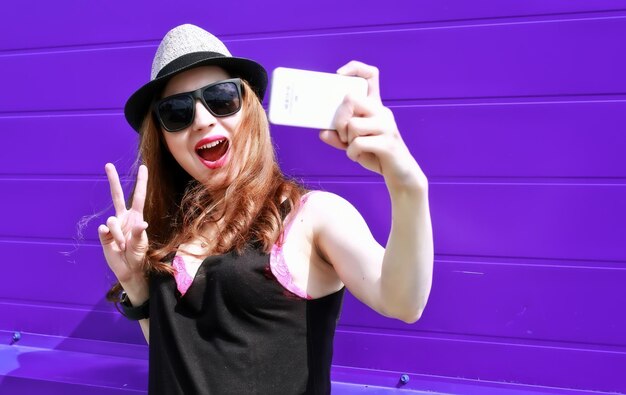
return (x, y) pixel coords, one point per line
(320, 200)
(326, 207)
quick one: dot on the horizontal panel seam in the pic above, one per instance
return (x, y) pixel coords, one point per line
(59, 306)
(312, 179)
(74, 245)
(338, 31)
(363, 331)
(392, 103)
(528, 261)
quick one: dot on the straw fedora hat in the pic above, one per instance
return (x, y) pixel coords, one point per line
(183, 48)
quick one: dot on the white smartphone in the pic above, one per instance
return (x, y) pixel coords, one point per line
(310, 99)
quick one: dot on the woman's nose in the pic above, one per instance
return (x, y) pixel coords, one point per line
(203, 117)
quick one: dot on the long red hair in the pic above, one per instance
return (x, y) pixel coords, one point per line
(178, 207)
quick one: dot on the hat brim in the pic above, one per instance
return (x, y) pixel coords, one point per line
(138, 105)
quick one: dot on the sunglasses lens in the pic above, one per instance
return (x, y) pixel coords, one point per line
(177, 112)
(223, 99)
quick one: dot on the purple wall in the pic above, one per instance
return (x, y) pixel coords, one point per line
(514, 110)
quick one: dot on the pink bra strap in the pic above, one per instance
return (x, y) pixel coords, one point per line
(294, 214)
(183, 279)
(278, 266)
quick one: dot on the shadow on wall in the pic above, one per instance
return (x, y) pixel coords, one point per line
(95, 358)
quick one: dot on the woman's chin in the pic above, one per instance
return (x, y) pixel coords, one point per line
(218, 179)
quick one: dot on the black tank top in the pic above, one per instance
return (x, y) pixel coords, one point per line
(237, 330)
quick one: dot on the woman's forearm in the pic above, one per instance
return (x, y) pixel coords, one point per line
(138, 292)
(145, 328)
(407, 270)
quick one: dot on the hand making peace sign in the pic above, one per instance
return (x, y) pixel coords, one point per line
(124, 239)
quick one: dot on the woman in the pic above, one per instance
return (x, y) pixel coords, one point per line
(237, 283)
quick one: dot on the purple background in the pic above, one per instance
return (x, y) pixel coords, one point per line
(514, 110)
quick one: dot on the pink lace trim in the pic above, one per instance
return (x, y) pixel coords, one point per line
(278, 266)
(183, 279)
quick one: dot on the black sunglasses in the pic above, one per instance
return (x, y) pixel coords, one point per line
(222, 98)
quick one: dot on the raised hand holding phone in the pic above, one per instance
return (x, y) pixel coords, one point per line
(368, 132)
(124, 239)
(310, 99)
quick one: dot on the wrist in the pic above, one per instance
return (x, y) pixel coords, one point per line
(410, 181)
(136, 290)
(133, 312)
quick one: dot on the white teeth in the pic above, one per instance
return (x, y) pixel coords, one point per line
(211, 144)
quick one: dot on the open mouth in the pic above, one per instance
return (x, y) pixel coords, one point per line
(213, 151)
